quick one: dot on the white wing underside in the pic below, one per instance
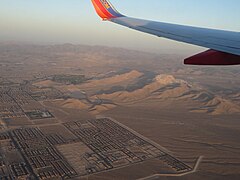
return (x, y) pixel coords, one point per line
(223, 41)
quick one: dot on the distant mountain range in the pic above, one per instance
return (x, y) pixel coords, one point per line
(119, 77)
(133, 87)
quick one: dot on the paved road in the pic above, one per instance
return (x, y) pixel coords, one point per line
(157, 176)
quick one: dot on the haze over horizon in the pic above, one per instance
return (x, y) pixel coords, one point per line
(76, 22)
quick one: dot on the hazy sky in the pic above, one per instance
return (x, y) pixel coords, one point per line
(75, 21)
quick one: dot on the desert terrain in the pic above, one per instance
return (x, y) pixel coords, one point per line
(108, 113)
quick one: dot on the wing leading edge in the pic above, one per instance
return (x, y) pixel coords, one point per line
(224, 45)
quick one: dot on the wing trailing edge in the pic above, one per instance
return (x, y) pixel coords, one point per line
(224, 46)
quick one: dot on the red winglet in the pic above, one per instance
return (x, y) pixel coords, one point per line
(105, 10)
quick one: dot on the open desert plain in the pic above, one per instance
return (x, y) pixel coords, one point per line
(101, 113)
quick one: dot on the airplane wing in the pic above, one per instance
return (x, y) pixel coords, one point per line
(224, 46)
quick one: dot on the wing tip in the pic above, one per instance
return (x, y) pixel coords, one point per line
(105, 9)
